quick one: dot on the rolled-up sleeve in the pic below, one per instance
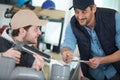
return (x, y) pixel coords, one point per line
(117, 38)
(69, 39)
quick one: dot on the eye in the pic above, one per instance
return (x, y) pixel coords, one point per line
(36, 29)
(84, 11)
(76, 12)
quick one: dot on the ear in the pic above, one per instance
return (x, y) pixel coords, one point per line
(94, 8)
(22, 31)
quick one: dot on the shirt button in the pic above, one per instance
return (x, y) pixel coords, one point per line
(104, 68)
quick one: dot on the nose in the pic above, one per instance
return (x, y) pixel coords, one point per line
(39, 32)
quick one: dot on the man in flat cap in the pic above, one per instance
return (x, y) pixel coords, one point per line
(24, 27)
(96, 31)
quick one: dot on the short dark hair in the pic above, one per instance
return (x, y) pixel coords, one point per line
(15, 32)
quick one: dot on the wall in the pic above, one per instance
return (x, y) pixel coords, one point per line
(3, 20)
(60, 4)
(52, 29)
(114, 4)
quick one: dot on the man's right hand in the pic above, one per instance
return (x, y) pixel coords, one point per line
(12, 54)
(67, 55)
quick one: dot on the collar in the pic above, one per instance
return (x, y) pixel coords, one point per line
(7, 36)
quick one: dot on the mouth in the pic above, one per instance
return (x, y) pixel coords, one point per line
(82, 20)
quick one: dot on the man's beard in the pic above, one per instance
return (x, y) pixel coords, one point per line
(30, 41)
(83, 22)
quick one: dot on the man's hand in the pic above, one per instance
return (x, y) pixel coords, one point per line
(12, 54)
(67, 56)
(94, 62)
(38, 63)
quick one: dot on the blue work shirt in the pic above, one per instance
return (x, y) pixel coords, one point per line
(104, 69)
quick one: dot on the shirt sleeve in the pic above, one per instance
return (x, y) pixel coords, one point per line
(117, 37)
(69, 39)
